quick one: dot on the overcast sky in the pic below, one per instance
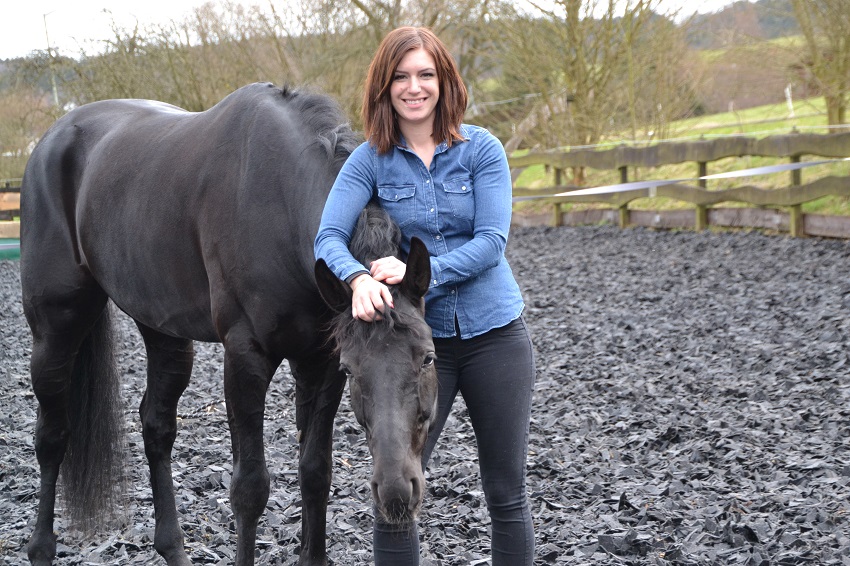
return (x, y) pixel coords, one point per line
(73, 25)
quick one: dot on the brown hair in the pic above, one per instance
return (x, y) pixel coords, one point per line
(379, 120)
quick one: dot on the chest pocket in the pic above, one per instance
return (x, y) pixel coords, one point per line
(398, 201)
(459, 194)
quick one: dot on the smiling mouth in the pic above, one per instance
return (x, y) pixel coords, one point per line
(414, 102)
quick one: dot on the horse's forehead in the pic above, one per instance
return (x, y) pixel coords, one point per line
(388, 343)
(407, 341)
(389, 366)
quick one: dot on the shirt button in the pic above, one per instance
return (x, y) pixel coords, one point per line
(432, 210)
(453, 291)
(435, 281)
(427, 182)
(438, 237)
(463, 188)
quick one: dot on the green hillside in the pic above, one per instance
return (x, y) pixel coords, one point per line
(762, 121)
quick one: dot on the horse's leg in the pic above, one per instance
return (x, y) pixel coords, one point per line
(169, 369)
(52, 360)
(247, 374)
(319, 388)
(59, 326)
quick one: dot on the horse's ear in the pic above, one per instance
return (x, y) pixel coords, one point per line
(417, 275)
(335, 292)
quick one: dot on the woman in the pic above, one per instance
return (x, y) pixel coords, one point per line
(448, 184)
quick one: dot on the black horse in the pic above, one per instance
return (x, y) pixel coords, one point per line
(200, 226)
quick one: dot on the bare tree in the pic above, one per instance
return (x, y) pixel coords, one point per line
(588, 67)
(826, 26)
(572, 58)
(25, 113)
(194, 62)
(662, 77)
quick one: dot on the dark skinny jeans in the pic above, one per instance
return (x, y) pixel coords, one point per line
(494, 372)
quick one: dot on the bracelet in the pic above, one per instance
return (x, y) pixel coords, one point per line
(355, 276)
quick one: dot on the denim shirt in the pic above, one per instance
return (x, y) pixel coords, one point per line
(460, 208)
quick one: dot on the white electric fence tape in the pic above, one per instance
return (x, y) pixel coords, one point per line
(652, 184)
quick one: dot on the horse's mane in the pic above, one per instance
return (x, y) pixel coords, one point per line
(322, 115)
(375, 236)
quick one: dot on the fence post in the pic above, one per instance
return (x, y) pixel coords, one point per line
(556, 207)
(701, 218)
(623, 210)
(796, 211)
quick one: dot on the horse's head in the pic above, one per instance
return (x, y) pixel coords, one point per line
(393, 381)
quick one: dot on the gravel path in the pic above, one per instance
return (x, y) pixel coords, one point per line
(692, 408)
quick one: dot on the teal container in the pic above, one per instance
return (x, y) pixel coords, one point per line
(10, 248)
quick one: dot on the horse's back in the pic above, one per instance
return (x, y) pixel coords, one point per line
(93, 214)
(179, 217)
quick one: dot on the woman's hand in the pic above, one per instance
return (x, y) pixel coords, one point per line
(370, 292)
(369, 297)
(390, 270)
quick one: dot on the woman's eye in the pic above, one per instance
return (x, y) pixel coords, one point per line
(398, 77)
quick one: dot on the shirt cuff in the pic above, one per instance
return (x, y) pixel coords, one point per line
(354, 275)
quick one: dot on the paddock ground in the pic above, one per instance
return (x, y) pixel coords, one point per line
(692, 408)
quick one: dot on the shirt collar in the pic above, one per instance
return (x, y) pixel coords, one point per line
(441, 147)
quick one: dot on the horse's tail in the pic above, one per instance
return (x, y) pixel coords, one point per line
(93, 470)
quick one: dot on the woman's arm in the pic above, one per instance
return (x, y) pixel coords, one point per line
(492, 193)
(349, 195)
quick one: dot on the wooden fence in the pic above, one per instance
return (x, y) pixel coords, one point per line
(10, 207)
(701, 153)
(779, 209)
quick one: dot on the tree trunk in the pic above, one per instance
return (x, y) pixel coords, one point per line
(836, 111)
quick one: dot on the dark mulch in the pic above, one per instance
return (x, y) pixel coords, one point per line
(692, 407)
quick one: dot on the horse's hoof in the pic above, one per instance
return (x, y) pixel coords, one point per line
(41, 560)
(41, 552)
(177, 559)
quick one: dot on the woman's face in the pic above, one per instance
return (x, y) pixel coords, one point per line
(415, 89)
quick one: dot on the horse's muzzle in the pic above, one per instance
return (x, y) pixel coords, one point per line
(399, 500)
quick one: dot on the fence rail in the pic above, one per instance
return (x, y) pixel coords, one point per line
(10, 207)
(10, 185)
(694, 191)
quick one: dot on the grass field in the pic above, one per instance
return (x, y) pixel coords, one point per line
(774, 119)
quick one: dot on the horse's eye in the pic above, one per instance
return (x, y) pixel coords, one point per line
(344, 369)
(428, 361)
